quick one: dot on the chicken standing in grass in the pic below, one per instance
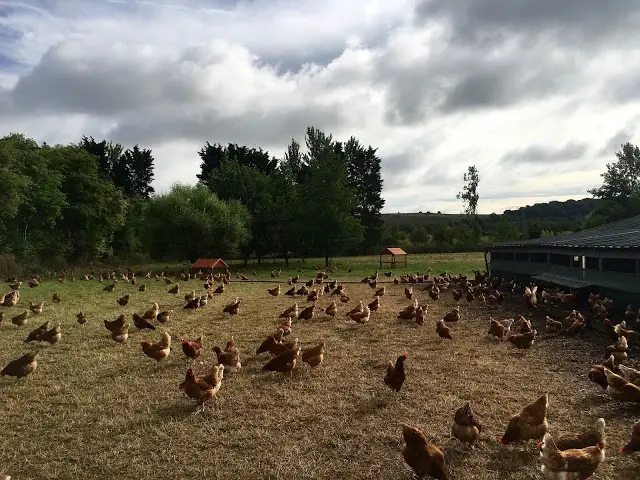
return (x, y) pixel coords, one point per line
(200, 390)
(192, 349)
(35, 334)
(576, 464)
(332, 309)
(424, 458)
(163, 317)
(530, 424)
(229, 357)
(466, 427)
(152, 313)
(21, 367)
(52, 336)
(142, 323)
(274, 292)
(499, 329)
(283, 363)
(291, 312)
(619, 389)
(122, 301)
(232, 308)
(120, 334)
(313, 356)
(523, 340)
(82, 318)
(619, 350)
(159, 350)
(395, 375)
(634, 442)
(594, 436)
(361, 317)
(443, 330)
(553, 326)
(21, 319)
(375, 304)
(307, 313)
(36, 308)
(453, 315)
(286, 327)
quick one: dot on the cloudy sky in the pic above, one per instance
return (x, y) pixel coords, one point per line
(538, 94)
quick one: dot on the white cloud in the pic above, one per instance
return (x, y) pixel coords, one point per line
(173, 75)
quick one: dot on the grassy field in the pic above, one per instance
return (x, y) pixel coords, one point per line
(360, 266)
(94, 409)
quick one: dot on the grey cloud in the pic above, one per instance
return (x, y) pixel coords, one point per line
(491, 21)
(396, 169)
(100, 85)
(439, 176)
(545, 155)
(614, 143)
(501, 53)
(249, 128)
(623, 88)
(515, 193)
(461, 79)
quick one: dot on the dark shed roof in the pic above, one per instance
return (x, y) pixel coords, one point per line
(618, 235)
(209, 263)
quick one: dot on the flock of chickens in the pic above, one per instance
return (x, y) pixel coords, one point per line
(567, 457)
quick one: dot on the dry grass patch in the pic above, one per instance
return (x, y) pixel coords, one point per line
(94, 409)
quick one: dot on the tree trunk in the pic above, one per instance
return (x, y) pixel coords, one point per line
(326, 260)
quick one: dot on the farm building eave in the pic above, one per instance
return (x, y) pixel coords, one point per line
(621, 235)
(561, 280)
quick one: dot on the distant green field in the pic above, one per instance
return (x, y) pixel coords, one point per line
(453, 263)
(363, 266)
(422, 218)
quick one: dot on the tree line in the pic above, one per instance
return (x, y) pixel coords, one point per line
(617, 198)
(94, 200)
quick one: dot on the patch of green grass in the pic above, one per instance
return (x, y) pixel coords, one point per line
(368, 265)
(94, 409)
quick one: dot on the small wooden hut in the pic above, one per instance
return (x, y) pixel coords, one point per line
(392, 252)
(209, 264)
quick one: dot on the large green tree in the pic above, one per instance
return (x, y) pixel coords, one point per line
(470, 197)
(327, 225)
(364, 177)
(621, 180)
(191, 222)
(132, 172)
(620, 189)
(212, 157)
(255, 190)
(31, 196)
(95, 207)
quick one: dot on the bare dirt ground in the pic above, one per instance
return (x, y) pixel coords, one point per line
(94, 409)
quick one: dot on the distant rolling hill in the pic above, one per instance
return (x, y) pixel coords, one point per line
(569, 210)
(422, 218)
